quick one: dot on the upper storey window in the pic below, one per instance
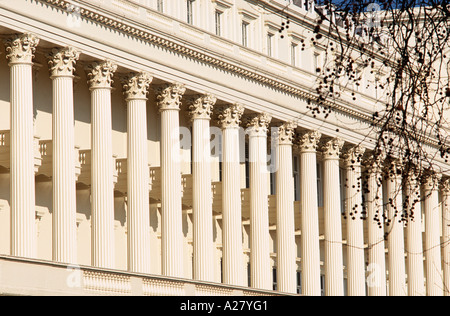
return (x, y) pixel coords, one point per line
(222, 17)
(160, 5)
(244, 29)
(190, 11)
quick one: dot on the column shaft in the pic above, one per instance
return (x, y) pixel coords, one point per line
(231, 197)
(20, 52)
(446, 235)
(334, 269)
(23, 232)
(64, 183)
(102, 188)
(433, 267)
(355, 229)
(202, 202)
(169, 100)
(138, 196)
(395, 238)
(414, 248)
(286, 248)
(259, 214)
(310, 246)
(377, 261)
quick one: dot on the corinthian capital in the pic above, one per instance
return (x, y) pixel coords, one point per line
(101, 74)
(331, 149)
(20, 48)
(431, 181)
(308, 141)
(62, 61)
(201, 106)
(136, 85)
(446, 187)
(258, 123)
(169, 96)
(353, 156)
(230, 116)
(285, 133)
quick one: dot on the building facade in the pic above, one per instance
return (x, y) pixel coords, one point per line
(169, 148)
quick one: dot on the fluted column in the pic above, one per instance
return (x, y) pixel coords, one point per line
(334, 266)
(62, 66)
(414, 248)
(19, 53)
(261, 274)
(376, 281)
(138, 216)
(310, 247)
(229, 120)
(355, 230)
(446, 235)
(200, 111)
(169, 101)
(395, 232)
(102, 189)
(433, 266)
(286, 248)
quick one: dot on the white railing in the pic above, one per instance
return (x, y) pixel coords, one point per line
(19, 276)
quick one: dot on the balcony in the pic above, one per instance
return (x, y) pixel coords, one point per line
(31, 277)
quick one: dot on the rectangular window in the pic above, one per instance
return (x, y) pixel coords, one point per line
(294, 50)
(190, 14)
(295, 168)
(218, 17)
(247, 166)
(245, 26)
(270, 38)
(319, 185)
(160, 5)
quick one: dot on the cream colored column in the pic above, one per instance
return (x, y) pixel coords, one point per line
(200, 111)
(138, 216)
(334, 265)
(20, 52)
(310, 247)
(232, 259)
(433, 266)
(395, 232)
(102, 188)
(355, 230)
(286, 248)
(446, 235)
(261, 273)
(169, 101)
(376, 279)
(414, 248)
(62, 66)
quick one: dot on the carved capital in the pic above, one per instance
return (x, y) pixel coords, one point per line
(230, 116)
(331, 149)
(258, 124)
(62, 61)
(353, 156)
(20, 48)
(446, 187)
(394, 169)
(431, 181)
(201, 106)
(169, 96)
(307, 141)
(101, 74)
(285, 133)
(136, 85)
(374, 163)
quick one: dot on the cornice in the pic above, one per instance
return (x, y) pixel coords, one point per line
(257, 75)
(123, 24)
